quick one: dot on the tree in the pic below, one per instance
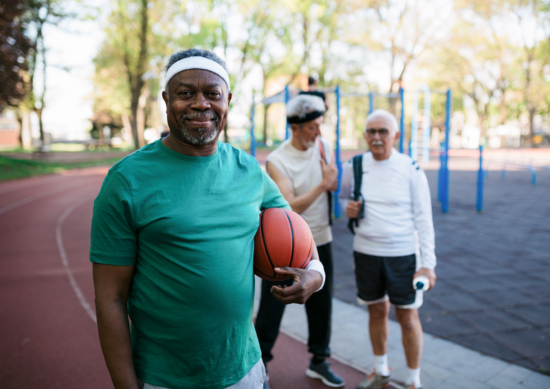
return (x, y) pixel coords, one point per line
(14, 48)
(402, 30)
(38, 14)
(477, 62)
(128, 33)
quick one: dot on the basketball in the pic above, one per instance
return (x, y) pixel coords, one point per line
(283, 239)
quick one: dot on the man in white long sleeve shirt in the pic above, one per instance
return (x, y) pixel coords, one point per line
(397, 212)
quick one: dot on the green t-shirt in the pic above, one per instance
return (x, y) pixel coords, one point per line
(188, 226)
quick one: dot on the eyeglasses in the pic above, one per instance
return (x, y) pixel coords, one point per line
(383, 132)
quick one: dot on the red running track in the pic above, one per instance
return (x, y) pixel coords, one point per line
(48, 335)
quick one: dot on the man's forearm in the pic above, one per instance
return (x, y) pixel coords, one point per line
(300, 203)
(114, 336)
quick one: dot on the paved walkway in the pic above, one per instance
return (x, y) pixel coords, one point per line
(445, 365)
(492, 293)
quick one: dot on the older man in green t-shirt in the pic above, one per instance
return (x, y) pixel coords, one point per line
(172, 246)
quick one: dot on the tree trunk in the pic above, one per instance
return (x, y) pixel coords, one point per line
(225, 135)
(38, 112)
(127, 126)
(532, 112)
(140, 115)
(133, 122)
(135, 76)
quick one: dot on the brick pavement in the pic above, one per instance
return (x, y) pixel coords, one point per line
(493, 288)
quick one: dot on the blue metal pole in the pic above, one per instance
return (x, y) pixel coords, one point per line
(371, 102)
(402, 120)
(427, 126)
(287, 97)
(448, 108)
(413, 150)
(252, 137)
(479, 200)
(440, 176)
(337, 209)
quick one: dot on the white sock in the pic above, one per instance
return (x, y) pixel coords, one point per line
(381, 364)
(414, 377)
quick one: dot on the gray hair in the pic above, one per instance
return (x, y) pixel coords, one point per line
(301, 105)
(194, 52)
(381, 113)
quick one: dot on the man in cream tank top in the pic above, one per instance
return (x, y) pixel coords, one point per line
(305, 172)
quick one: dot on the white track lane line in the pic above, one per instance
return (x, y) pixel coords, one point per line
(58, 234)
(36, 197)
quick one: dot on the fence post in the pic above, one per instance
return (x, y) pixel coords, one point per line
(479, 199)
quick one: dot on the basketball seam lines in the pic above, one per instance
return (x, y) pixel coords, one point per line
(308, 254)
(265, 245)
(292, 233)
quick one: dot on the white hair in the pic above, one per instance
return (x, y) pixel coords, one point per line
(301, 105)
(381, 113)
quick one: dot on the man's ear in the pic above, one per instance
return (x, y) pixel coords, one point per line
(229, 97)
(294, 127)
(165, 97)
(397, 136)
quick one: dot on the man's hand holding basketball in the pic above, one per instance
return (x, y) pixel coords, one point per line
(306, 282)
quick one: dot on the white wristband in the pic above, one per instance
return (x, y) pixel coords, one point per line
(317, 266)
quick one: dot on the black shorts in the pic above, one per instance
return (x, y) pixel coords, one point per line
(381, 277)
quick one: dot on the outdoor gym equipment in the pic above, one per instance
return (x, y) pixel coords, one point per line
(480, 178)
(399, 95)
(531, 168)
(443, 182)
(443, 174)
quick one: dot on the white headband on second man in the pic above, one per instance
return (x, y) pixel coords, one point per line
(196, 63)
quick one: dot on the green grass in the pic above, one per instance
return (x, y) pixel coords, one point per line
(11, 169)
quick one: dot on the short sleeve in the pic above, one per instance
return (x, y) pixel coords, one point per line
(272, 195)
(113, 239)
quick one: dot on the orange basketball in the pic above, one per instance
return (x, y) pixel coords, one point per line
(283, 239)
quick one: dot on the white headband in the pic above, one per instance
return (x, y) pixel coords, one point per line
(196, 63)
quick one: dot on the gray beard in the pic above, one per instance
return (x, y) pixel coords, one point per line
(205, 136)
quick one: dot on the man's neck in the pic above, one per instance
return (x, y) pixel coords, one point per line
(191, 150)
(297, 144)
(380, 158)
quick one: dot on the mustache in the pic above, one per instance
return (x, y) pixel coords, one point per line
(378, 143)
(200, 115)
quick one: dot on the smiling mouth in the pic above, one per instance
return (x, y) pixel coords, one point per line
(200, 119)
(200, 122)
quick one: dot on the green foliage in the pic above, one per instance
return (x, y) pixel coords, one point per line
(475, 49)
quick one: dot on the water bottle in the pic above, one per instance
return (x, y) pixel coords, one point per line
(421, 283)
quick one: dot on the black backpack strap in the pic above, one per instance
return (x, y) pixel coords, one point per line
(357, 183)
